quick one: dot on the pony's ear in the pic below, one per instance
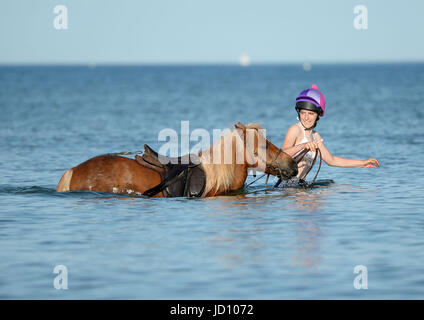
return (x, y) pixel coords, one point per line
(240, 125)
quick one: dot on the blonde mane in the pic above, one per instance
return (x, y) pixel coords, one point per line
(253, 125)
(221, 175)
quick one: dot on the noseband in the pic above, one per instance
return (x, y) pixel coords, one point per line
(269, 166)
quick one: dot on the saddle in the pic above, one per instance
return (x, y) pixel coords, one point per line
(181, 176)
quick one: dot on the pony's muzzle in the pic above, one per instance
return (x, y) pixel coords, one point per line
(288, 171)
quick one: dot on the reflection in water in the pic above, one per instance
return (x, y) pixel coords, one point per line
(308, 228)
(248, 225)
(309, 205)
(248, 220)
(238, 241)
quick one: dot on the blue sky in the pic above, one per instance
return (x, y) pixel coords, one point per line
(210, 31)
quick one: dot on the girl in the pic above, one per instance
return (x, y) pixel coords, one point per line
(310, 105)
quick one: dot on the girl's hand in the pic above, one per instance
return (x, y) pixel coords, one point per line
(313, 146)
(370, 163)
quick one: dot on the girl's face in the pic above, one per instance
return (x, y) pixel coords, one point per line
(308, 117)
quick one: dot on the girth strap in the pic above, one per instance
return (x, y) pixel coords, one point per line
(180, 176)
(167, 182)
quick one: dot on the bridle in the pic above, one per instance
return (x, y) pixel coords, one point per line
(281, 174)
(267, 165)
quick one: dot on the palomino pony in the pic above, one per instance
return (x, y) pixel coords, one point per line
(116, 174)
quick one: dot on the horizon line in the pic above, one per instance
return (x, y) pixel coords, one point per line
(165, 64)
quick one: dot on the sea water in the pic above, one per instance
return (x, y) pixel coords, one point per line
(260, 243)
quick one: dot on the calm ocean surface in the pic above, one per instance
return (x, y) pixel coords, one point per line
(264, 243)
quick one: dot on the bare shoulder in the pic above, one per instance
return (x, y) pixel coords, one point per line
(294, 130)
(291, 136)
(318, 137)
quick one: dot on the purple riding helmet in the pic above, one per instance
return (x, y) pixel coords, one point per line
(311, 99)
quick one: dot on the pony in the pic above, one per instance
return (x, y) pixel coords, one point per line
(117, 174)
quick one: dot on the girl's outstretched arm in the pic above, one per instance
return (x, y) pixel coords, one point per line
(344, 162)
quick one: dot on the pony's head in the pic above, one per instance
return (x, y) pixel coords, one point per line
(263, 155)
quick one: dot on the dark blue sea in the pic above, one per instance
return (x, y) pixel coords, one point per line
(261, 243)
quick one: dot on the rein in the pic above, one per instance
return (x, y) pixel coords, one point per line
(313, 163)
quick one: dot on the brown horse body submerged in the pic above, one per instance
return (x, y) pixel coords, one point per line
(116, 174)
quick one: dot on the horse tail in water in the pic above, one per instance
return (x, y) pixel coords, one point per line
(65, 181)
